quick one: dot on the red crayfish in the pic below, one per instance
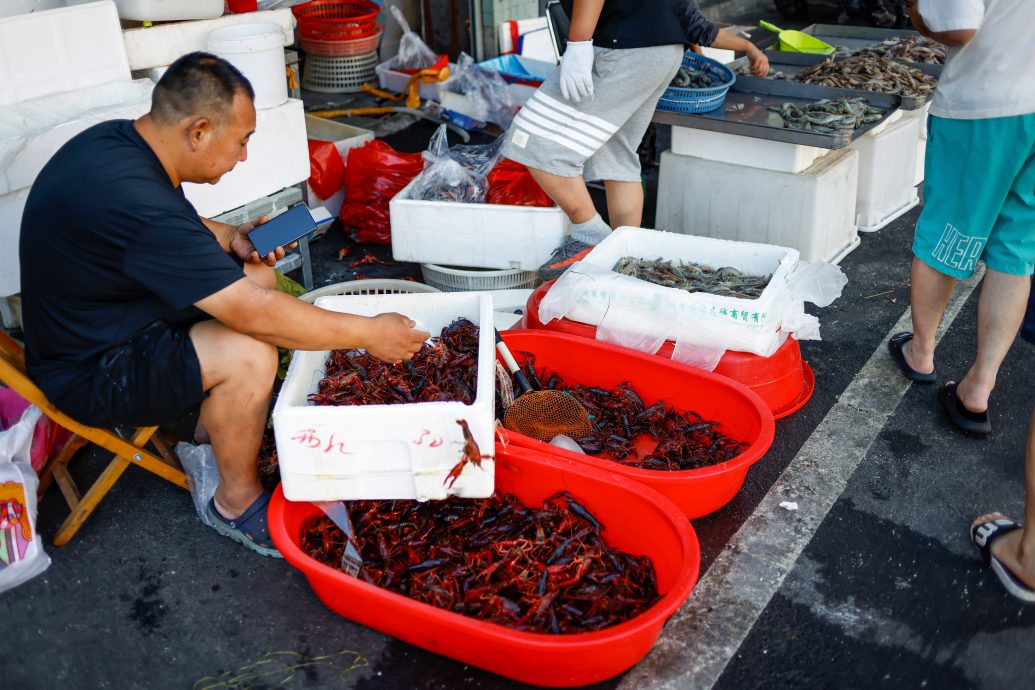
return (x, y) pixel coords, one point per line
(545, 569)
(445, 370)
(619, 416)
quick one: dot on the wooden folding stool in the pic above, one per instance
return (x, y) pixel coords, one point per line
(126, 450)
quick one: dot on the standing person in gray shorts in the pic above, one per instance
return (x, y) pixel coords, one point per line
(589, 116)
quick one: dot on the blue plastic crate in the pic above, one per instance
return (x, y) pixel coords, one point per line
(680, 99)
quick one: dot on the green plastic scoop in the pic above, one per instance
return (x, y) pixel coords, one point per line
(797, 41)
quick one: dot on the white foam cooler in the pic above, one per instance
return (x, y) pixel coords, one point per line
(387, 451)
(747, 151)
(812, 211)
(887, 172)
(474, 235)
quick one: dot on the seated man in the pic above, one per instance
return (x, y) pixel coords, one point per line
(136, 310)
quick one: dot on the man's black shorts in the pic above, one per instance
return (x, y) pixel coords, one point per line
(152, 380)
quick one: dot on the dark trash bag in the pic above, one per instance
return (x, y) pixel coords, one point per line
(1028, 325)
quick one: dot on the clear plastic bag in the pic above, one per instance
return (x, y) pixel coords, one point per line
(199, 464)
(487, 93)
(413, 53)
(455, 175)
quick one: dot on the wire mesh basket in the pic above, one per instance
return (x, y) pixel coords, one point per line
(378, 286)
(679, 99)
(336, 20)
(338, 74)
(349, 47)
(454, 279)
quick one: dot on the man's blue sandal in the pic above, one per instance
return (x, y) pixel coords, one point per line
(983, 536)
(250, 529)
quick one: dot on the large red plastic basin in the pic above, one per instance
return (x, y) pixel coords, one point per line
(635, 520)
(740, 411)
(784, 381)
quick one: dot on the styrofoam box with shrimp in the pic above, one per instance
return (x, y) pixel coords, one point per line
(400, 451)
(763, 313)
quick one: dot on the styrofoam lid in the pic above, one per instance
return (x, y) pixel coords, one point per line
(245, 38)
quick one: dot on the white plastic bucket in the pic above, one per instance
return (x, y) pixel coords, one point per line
(258, 51)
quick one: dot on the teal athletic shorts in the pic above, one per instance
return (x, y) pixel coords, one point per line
(979, 196)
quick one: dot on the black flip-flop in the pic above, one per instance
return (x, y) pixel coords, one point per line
(964, 419)
(983, 536)
(895, 344)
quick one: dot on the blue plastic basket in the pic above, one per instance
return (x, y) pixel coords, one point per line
(678, 99)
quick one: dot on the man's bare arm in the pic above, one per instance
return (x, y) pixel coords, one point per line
(280, 319)
(954, 38)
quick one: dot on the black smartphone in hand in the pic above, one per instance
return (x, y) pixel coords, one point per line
(282, 230)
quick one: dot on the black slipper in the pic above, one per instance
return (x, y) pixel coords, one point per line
(983, 536)
(964, 419)
(895, 348)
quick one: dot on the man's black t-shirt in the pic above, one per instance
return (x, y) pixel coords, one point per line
(108, 246)
(646, 23)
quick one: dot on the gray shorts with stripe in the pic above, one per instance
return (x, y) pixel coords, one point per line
(596, 138)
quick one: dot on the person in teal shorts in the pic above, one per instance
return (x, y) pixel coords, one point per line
(979, 193)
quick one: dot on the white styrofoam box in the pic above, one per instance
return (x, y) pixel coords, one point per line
(761, 314)
(508, 306)
(813, 211)
(12, 205)
(749, 151)
(887, 168)
(32, 131)
(278, 157)
(160, 45)
(474, 235)
(164, 10)
(60, 50)
(344, 136)
(921, 161)
(387, 451)
(390, 80)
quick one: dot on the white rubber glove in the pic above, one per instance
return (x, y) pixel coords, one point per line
(577, 71)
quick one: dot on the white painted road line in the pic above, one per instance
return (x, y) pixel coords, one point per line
(701, 638)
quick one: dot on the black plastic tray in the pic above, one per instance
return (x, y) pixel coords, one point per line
(792, 63)
(746, 112)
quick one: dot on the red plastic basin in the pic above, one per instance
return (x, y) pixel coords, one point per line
(784, 381)
(635, 520)
(740, 411)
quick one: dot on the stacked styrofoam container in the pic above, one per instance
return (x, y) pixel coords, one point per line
(474, 235)
(747, 151)
(400, 451)
(887, 171)
(395, 81)
(700, 319)
(812, 211)
(61, 71)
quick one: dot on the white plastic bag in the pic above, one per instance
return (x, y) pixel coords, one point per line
(413, 53)
(199, 463)
(21, 550)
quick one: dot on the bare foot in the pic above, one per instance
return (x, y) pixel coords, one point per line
(973, 397)
(1009, 551)
(917, 365)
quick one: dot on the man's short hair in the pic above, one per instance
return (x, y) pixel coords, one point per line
(198, 84)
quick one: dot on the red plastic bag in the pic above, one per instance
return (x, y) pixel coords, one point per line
(48, 436)
(374, 174)
(510, 183)
(326, 168)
